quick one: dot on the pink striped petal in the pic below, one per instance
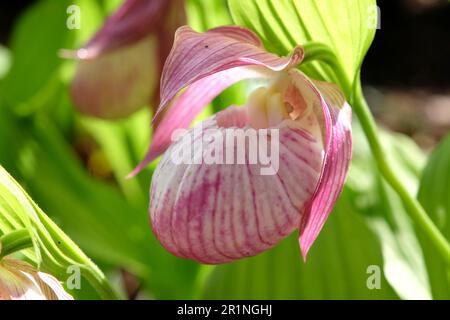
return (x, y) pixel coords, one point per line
(206, 64)
(198, 55)
(216, 213)
(338, 151)
(189, 104)
(133, 21)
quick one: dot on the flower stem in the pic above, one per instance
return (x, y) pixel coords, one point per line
(14, 241)
(318, 51)
(414, 208)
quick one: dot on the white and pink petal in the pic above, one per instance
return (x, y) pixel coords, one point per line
(216, 213)
(20, 281)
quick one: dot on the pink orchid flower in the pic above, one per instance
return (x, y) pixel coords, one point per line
(216, 213)
(118, 69)
(20, 281)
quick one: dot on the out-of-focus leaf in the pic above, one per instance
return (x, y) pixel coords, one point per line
(92, 16)
(434, 195)
(36, 40)
(13, 140)
(5, 61)
(385, 215)
(347, 27)
(120, 141)
(111, 5)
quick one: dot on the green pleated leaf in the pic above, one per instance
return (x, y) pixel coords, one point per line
(203, 15)
(434, 195)
(53, 251)
(347, 27)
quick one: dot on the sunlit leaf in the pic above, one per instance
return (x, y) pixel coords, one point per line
(204, 15)
(54, 251)
(347, 27)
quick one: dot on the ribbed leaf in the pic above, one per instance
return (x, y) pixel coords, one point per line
(54, 252)
(204, 15)
(434, 195)
(346, 26)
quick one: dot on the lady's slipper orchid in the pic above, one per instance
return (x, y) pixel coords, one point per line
(216, 213)
(118, 69)
(20, 281)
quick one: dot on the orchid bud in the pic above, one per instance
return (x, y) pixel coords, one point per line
(216, 212)
(118, 69)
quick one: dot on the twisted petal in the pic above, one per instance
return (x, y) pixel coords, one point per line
(204, 64)
(216, 213)
(20, 281)
(338, 151)
(133, 21)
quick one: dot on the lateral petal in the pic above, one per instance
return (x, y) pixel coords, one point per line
(338, 150)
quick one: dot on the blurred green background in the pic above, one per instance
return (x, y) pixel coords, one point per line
(74, 166)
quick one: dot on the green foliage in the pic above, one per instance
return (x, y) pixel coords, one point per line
(434, 196)
(384, 213)
(40, 55)
(108, 217)
(5, 61)
(347, 27)
(204, 15)
(53, 251)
